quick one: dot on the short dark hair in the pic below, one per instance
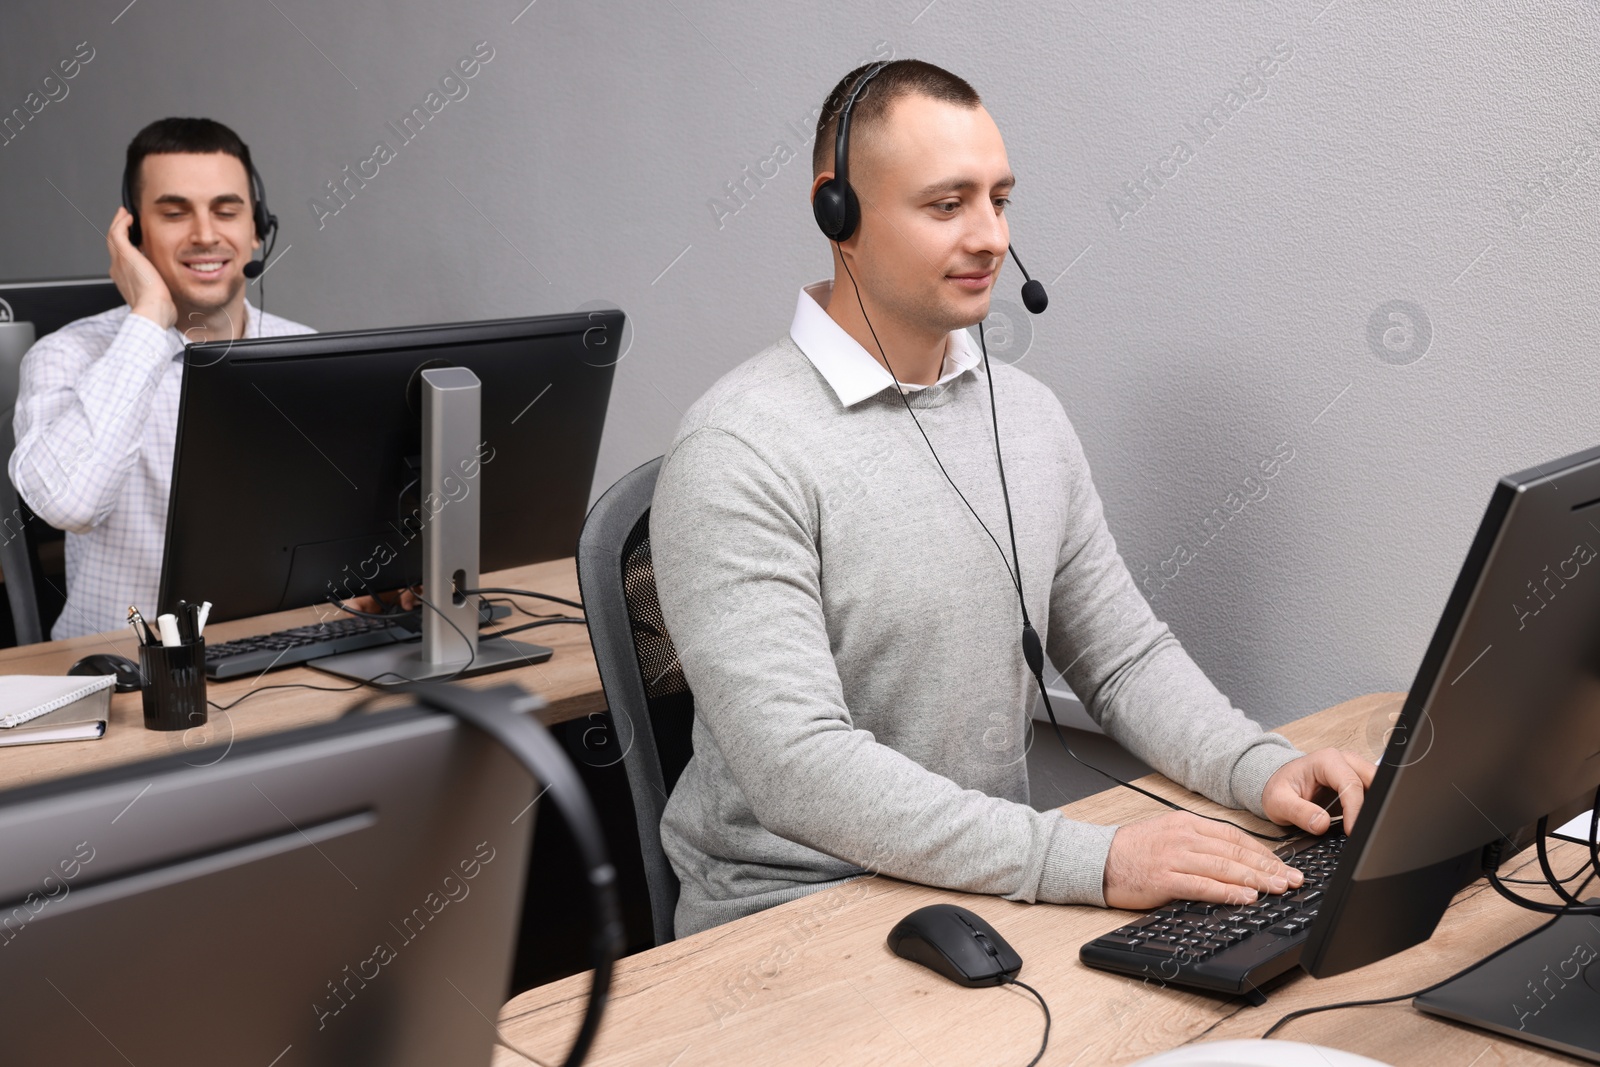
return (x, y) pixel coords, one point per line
(199, 136)
(900, 77)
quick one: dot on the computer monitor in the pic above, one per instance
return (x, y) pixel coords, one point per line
(50, 305)
(1500, 729)
(298, 459)
(344, 894)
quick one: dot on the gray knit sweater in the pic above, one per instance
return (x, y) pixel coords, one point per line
(852, 640)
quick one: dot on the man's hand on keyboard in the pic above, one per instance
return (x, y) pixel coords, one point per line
(1181, 856)
(1287, 797)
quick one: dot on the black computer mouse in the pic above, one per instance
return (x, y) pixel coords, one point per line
(956, 943)
(129, 678)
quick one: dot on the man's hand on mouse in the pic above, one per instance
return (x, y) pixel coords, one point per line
(1181, 856)
(1287, 797)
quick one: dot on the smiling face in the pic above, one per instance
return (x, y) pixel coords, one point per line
(933, 182)
(194, 212)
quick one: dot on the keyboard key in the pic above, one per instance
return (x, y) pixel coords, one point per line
(1160, 948)
(1120, 940)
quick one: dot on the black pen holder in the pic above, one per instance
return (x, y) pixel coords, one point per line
(174, 685)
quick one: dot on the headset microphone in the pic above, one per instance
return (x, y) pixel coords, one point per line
(1034, 298)
(266, 229)
(257, 267)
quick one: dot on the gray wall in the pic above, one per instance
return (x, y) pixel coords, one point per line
(1240, 303)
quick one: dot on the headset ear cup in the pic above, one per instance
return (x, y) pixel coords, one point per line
(852, 214)
(836, 210)
(828, 208)
(135, 235)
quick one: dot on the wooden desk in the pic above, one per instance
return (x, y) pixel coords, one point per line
(812, 981)
(567, 681)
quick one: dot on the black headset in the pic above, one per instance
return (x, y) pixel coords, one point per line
(838, 213)
(265, 221)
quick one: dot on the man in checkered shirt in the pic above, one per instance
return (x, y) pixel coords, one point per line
(97, 408)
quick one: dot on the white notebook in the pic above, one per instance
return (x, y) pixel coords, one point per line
(28, 696)
(63, 724)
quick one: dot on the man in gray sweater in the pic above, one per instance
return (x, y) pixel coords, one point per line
(850, 629)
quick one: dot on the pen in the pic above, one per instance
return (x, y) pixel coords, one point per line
(205, 612)
(169, 630)
(149, 634)
(133, 624)
(192, 617)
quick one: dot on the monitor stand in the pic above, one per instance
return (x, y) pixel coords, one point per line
(452, 410)
(1544, 990)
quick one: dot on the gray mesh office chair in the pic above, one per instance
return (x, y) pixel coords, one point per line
(16, 561)
(651, 707)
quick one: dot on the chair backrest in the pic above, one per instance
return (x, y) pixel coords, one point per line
(16, 556)
(651, 708)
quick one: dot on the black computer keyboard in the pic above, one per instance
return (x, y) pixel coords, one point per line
(288, 648)
(1228, 949)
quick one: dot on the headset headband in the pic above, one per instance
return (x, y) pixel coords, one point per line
(841, 141)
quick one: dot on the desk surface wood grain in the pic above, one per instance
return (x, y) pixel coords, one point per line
(813, 982)
(567, 681)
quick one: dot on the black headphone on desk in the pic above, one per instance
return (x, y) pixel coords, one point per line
(838, 213)
(265, 221)
(505, 713)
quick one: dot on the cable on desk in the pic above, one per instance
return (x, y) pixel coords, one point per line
(1572, 905)
(1541, 846)
(1544, 881)
(1474, 965)
(1044, 1044)
(1544, 908)
(286, 685)
(514, 606)
(522, 592)
(558, 621)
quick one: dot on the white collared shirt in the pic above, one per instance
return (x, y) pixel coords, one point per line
(850, 369)
(96, 422)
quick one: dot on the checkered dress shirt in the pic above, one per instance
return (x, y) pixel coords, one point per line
(96, 422)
